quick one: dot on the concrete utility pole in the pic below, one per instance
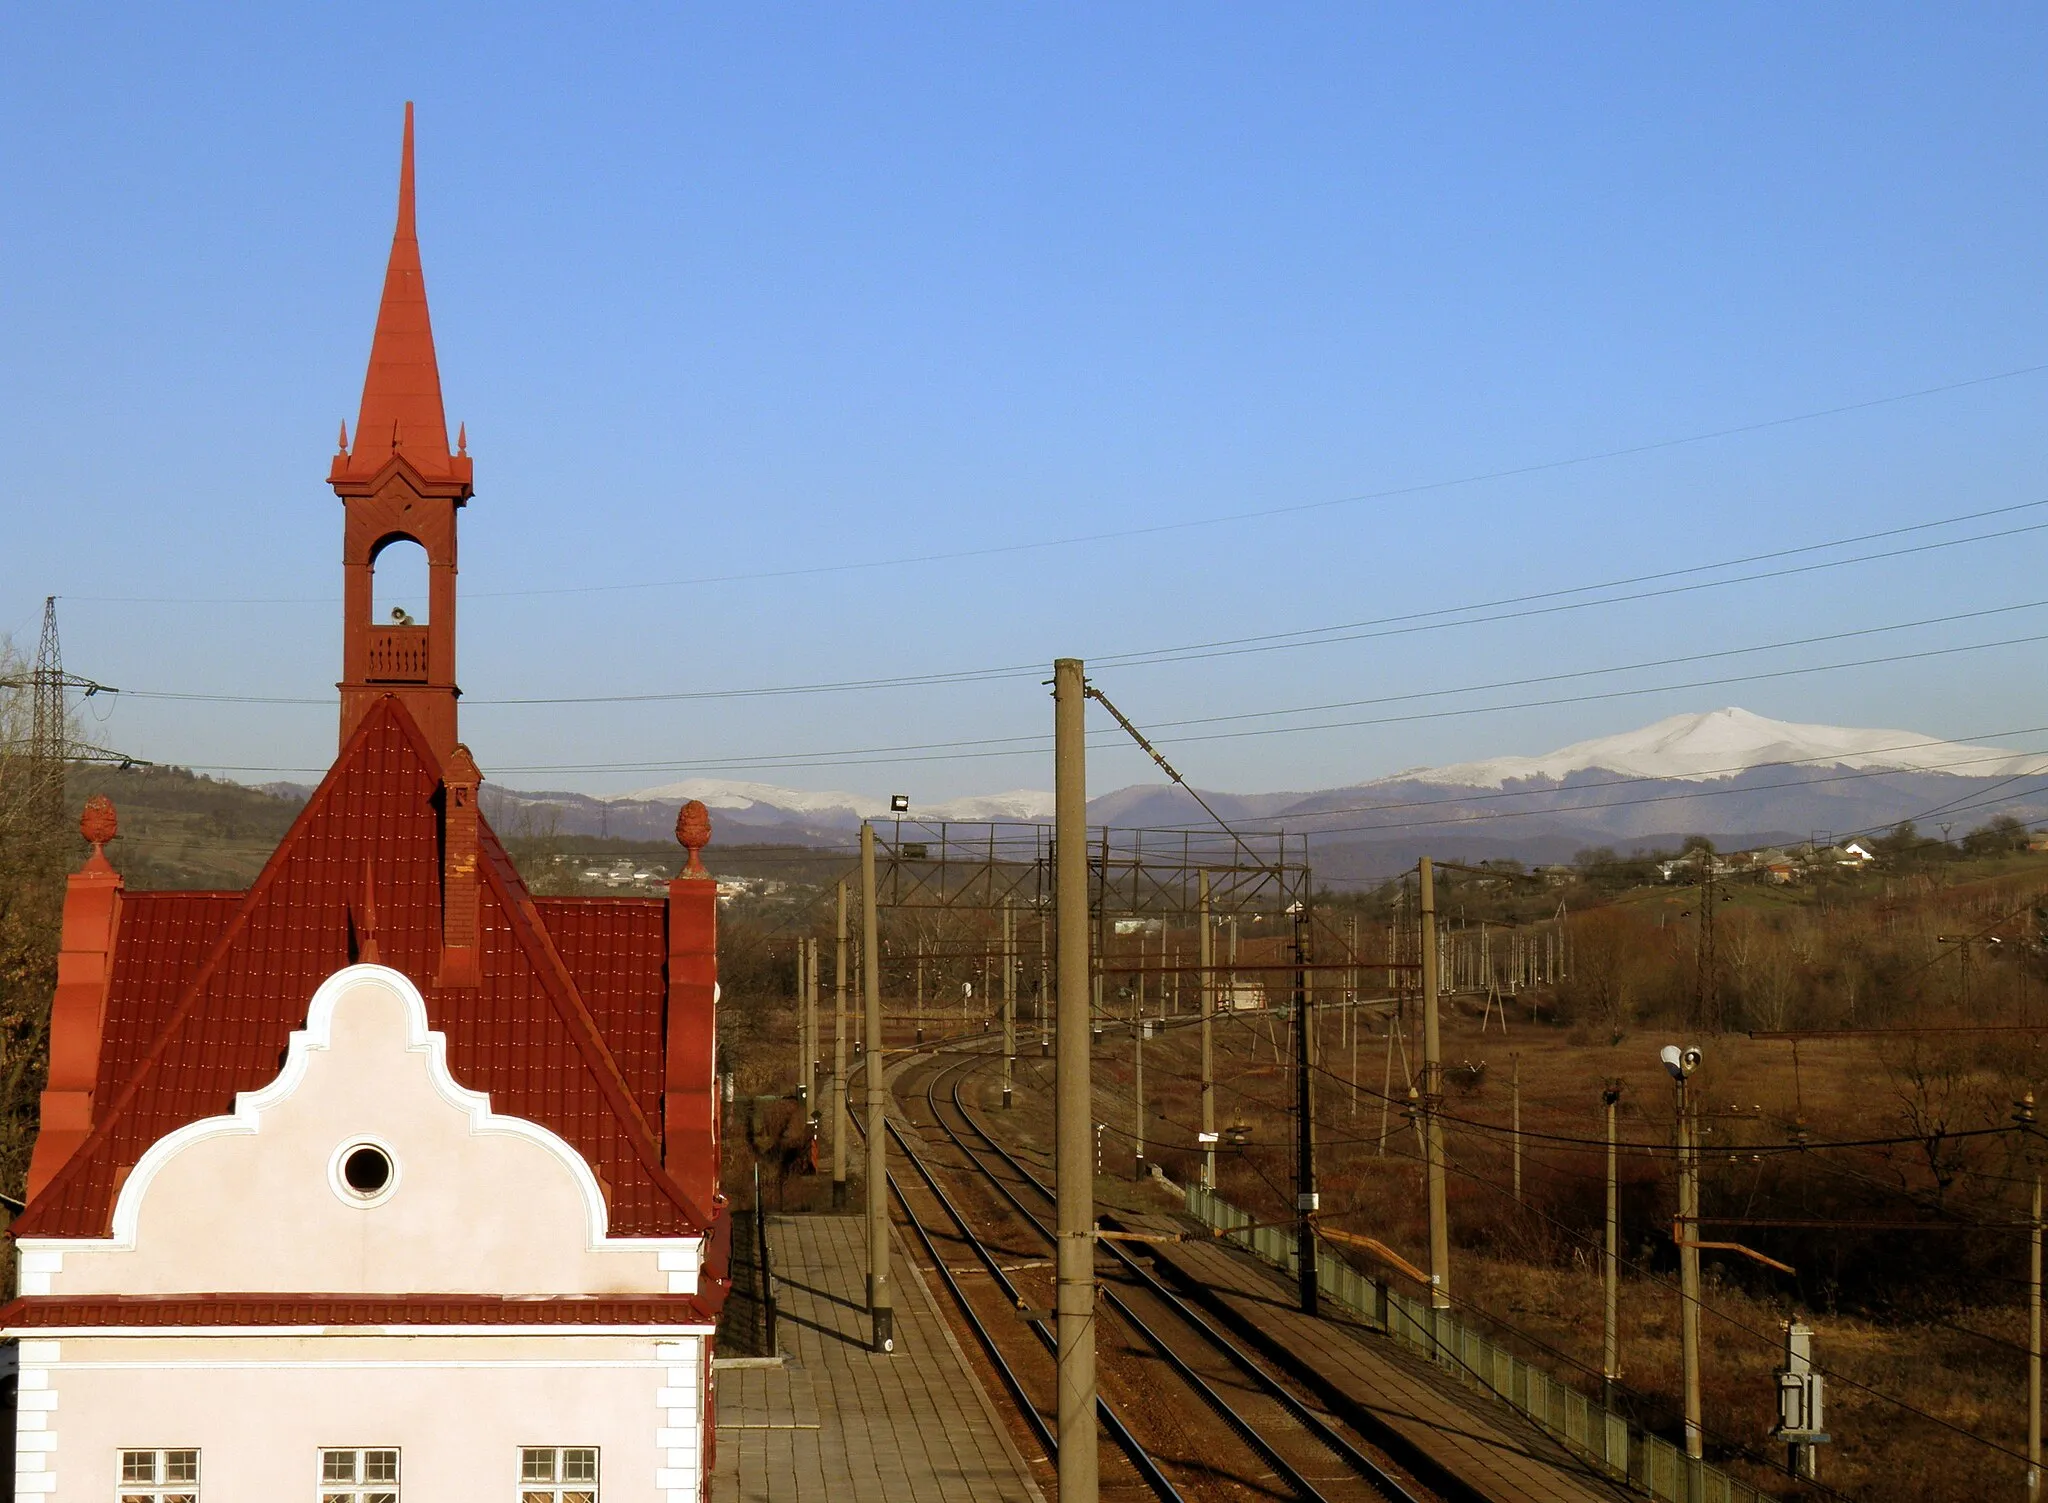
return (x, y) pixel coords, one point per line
(920, 990)
(1610, 1334)
(1044, 1022)
(881, 1304)
(839, 1064)
(1515, 1112)
(1432, 1121)
(2034, 1350)
(807, 980)
(1306, 1201)
(1073, 1094)
(1009, 999)
(1205, 956)
(1689, 1295)
(1139, 1028)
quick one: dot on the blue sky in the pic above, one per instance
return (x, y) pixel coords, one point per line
(775, 289)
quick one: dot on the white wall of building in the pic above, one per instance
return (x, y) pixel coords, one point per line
(458, 1407)
(253, 1203)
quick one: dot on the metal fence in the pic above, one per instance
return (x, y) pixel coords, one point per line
(1586, 1426)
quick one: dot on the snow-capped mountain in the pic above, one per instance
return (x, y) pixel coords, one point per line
(744, 798)
(1739, 777)
(1724, 743)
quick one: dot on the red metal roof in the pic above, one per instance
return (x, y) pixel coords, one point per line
(192, 1032)
(189, 1310)
(617, 950)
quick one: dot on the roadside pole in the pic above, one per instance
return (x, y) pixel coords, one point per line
(1610, 1335)
(1073, 1162)
(839, 1064)
(881, 1303)
(1689, 1297)
(1515, 1089)
(1433, 1128)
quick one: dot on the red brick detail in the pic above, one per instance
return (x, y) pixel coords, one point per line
(400, 483)
(146, 1312)
(78, 1014)
(689, 1106)
(461, 962)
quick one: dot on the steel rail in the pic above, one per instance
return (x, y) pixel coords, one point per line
(1374, 1474)
(1119, 1432)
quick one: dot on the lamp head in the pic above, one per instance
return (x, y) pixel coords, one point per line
(1679, 1063)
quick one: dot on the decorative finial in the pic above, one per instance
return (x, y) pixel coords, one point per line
(462, 438)
(98, 824)
(693, 831)
(344, 435)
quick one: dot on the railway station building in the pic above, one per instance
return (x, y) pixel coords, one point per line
(384, 1179)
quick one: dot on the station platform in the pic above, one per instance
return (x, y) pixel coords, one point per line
(834, 1420)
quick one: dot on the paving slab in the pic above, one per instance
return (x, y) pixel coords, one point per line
(837, 1421)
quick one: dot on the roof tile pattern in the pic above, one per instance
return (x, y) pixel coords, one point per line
(617, 949)
(365, 850)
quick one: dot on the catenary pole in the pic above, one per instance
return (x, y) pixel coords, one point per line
(881, 1302)
(839, 1062)
(1009, 999)
(1206, 954)
(1305, 1198)
(1073, 1095)
(1432, 1106)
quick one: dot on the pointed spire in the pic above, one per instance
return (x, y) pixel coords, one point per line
(402, 392)
(344, 435)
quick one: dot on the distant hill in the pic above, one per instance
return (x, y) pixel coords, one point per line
(1743, 779)
(181, 829)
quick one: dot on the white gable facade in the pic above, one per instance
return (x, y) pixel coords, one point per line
(363, 1286)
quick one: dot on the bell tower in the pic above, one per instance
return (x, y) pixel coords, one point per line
(399, 484)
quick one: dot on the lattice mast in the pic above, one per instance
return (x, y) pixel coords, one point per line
(49, 730)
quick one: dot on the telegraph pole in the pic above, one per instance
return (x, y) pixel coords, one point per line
(1432, 1106)
(1073, 1094)
(1305, 1199)
(839, 1063)
(1610, 1336)
(920, 989)
(1206, 955)
(881, 1304)
(1009, 999)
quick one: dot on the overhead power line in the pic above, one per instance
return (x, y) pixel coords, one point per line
(1507, 609)
(997, 550)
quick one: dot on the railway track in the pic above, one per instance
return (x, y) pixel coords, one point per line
(1273, 1439)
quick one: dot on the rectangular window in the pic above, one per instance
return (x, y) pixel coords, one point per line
(558, 1474)
(159, 1477)
(359, 1476)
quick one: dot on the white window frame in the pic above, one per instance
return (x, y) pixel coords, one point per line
(557, 1488)
(159, 1488)
(359, 1490)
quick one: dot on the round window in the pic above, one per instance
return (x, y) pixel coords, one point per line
(366, 1170)
(363, 1172)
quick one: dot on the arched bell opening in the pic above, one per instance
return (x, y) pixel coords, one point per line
(400, 573)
